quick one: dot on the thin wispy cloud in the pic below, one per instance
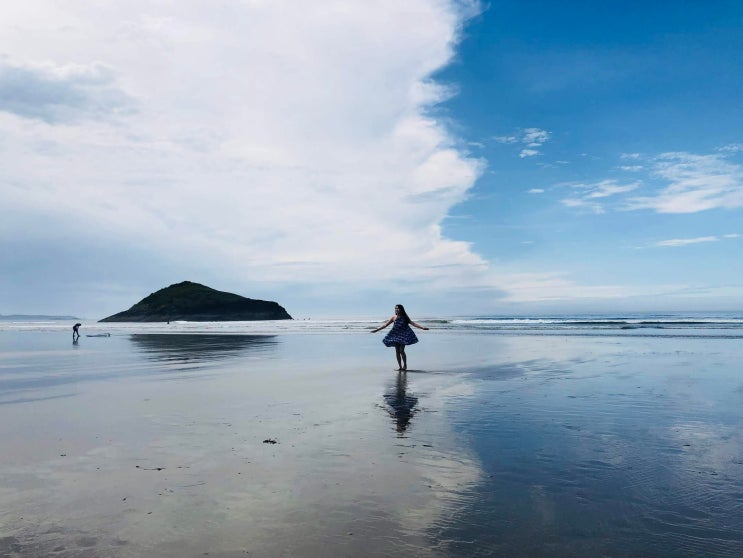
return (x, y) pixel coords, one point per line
(534, 137)
(676, 182)
(591, 195)
(607, 188)
(579, 203)
(695, 183)
(731, 148)
(687, 241)
(531, 140)
(681, 242)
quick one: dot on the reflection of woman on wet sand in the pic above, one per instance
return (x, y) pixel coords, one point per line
(402, 405)
(400, 335)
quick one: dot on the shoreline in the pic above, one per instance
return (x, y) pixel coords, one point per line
(720, 325)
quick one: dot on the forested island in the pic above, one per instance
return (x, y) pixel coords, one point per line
(193, 302)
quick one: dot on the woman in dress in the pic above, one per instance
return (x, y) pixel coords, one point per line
(400, 335)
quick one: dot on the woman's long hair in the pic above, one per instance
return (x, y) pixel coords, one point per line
(403, 314)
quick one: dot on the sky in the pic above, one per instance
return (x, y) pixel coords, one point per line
(459, 157)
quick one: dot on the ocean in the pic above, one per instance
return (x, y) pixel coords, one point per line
(604, 435)
(669, 324)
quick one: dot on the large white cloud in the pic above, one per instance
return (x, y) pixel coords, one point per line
(286, 141)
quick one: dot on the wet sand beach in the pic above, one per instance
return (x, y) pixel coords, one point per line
(313, 445)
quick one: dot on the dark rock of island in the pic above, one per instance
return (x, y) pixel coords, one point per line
(198, 303)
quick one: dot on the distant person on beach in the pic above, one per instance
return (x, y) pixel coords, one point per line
(400, 335)
(75, 332)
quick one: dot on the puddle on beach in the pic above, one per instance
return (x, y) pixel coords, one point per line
(491, 445)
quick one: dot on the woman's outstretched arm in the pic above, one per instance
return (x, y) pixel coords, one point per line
(412, 323)
(392, 319)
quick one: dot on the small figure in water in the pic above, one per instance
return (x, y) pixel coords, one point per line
(75, 332)
(400, 335)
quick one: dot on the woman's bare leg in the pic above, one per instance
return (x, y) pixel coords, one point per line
(398, 349)
(404, 358)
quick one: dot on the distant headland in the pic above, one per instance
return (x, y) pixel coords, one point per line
(198, 303)
(34, 318)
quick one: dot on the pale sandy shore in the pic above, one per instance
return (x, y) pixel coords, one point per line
(491, 445)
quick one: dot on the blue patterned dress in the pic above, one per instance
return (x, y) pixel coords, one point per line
(400, 334)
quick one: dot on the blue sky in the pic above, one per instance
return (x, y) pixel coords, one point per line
(461, 158)
(615, 88)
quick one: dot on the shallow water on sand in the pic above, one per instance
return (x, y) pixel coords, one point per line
(491, 445)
